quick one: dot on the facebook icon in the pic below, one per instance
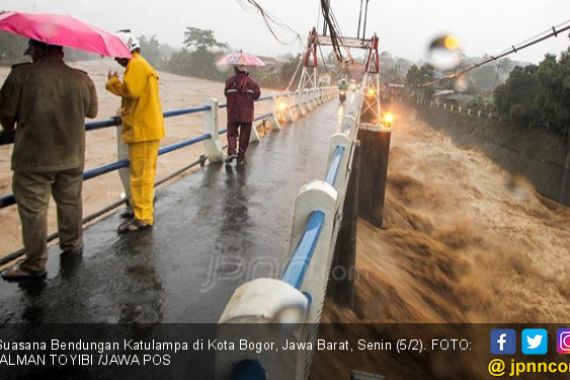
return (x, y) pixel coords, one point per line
(503, 341)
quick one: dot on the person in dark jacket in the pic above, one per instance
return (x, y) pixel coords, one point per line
(241, 91)
(45, 104)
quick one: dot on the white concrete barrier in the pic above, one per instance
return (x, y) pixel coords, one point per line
(210, 124)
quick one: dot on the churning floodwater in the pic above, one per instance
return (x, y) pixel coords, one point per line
(463, 241)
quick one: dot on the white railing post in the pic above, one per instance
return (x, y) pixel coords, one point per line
(210, 125)
(315, 99)
(316, 195)
(248, 315)
(311, 103)
(308, 102)
(300, 101)
(275, 125)
(292, 106)
(123, 154)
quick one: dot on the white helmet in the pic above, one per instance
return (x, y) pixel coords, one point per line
(128, 39)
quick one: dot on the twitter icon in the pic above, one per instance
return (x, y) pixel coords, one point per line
(534, 341)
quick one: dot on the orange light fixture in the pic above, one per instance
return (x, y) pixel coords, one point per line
(389, 119)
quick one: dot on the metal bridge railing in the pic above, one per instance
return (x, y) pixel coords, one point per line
(282, 103)
(305, 249)
(302, 286)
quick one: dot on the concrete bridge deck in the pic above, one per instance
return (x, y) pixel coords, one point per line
(214, 230)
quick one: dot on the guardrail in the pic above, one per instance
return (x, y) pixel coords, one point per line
(286, 107)
(300, 291)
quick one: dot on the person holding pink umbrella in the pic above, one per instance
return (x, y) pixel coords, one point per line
(241, 91)
(45, 103)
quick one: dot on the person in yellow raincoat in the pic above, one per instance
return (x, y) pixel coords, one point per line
(143, 127)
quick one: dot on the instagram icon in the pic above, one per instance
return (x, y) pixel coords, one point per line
(563, 341)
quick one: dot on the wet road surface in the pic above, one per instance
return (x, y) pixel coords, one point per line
(214, 230)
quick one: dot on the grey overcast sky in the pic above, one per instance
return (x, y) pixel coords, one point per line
(405, 27)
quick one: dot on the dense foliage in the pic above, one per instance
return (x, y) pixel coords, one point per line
(416, 77)
(198, 59)
(538, 95)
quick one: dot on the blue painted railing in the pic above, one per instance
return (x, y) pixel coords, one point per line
(296, 269)
(335, 166)
(96, 172)
(184, 143)
(112, 122)
(187, 111)
(8, 200)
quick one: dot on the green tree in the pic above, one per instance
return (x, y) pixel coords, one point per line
(417, 78)
(201, 39)
(517, 98)
(538, 95)
(198, 58)
(150, 49)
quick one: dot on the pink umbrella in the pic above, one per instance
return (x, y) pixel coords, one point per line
(240, 59)
(64, 30)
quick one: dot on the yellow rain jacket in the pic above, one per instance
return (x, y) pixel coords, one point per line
(141, 112)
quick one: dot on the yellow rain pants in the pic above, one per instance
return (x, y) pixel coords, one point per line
(142, 158)
(143, 127)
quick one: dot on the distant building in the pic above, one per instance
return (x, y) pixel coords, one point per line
(452, 97)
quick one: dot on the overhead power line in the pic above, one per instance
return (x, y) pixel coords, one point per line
(276, 27)
(552, 32)
(331, 25)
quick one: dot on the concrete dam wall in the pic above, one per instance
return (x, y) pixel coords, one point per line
(534, 154)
